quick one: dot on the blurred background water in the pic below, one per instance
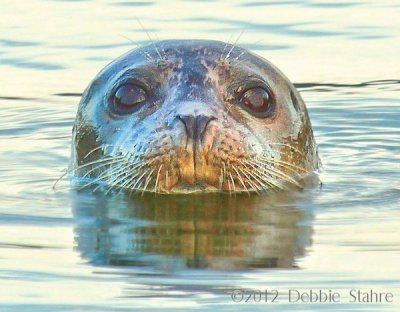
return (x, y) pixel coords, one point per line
(65, 250)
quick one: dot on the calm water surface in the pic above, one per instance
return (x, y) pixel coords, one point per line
(67, 250)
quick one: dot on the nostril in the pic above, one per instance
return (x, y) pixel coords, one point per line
(195, 126)
(189, 123)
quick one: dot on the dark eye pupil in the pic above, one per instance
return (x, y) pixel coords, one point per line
(256, 100)
(129, 95)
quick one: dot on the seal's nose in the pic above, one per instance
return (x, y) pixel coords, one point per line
(195, 125)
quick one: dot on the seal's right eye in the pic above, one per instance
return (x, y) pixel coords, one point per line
(128, 98)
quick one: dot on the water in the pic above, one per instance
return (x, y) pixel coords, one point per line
(65, 250)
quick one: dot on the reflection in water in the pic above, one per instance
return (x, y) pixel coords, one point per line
(197, 231)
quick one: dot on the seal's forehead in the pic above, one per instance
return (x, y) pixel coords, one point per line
(192, 57)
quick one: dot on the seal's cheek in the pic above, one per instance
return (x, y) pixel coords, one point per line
(228, 146)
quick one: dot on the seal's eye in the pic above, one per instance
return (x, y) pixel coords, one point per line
(128, 97)
(258, 102)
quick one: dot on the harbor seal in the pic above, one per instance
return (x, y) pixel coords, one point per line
(181, 116)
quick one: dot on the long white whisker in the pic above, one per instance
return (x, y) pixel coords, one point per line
(262, 179)
(234, 44)
(151, 40)
(148, 179)
(157, 178)
(253, 185)
(261, 170)
(240, 179)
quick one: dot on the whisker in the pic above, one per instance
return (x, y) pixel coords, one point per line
(244, 52)
(132, 186)
(253, 185)
(261, 169)
(129, 180)
(107, 158)
(111, 161)
(237, 63)
(145, 54)
(113, 173)
(151, 40)
(116, 177)
(229, 187)
(289, 146)
(227, 43)
(93, 150)
(128, 171)
(233, 182)
(104, 175)
(129, 39)
(276, 170)
(137, 183)
(68, 171)
(263, 179)
(136, 171)
(240, 55)
(148, 179)
(157, 178)
(234, 44)
(240, 179)
(288, 166)
(162, 49)
(138, 180)
(59, 179)
(221, 180)
(272, 182)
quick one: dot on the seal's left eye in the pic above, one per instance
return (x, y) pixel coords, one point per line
(128, 97)
(258, 101)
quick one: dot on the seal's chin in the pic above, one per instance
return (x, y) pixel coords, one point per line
(200, 187)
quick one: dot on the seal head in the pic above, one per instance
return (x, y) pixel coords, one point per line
(184, 116)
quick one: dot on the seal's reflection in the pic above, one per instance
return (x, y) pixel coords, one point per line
(197, 231)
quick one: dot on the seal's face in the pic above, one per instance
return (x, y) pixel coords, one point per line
(183, 116)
